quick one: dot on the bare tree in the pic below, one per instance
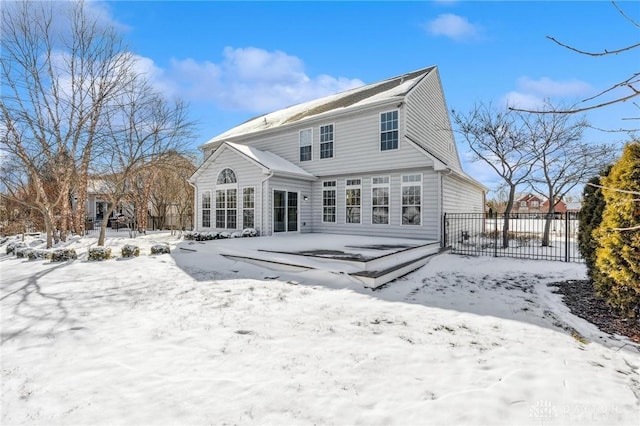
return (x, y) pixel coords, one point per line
(60, 66)
(563, 160)
(173, 195)
(623, 91)
(497, 138)
(142, 128)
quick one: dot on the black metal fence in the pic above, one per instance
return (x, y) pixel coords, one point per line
(479, 234)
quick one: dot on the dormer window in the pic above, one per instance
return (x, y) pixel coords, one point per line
(306, 144)
(389, 130)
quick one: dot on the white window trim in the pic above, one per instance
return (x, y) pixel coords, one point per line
(310, 129)
(252, 208)
(380, 131)
(402, 185)
(211, 209)
(382, 185)
(346, 188)
(226, 188)
(320, 142)
(333, 188)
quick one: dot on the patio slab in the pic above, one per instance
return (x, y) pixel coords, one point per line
(373, 260)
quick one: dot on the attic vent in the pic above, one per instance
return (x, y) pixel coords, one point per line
(402, 79)
(265, 121)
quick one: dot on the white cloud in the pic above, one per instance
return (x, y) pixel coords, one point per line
(547, 87)
(247, 79)
(523, 100)
(453, 26)
(533, 94)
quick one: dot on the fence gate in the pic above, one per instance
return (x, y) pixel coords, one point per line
(479, 234)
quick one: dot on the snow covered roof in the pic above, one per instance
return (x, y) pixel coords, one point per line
(270, 160)
(355, 98)
(265, 159)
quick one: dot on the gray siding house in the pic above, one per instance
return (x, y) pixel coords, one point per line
(378, 160)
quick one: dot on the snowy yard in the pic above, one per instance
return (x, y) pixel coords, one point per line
(193, 338)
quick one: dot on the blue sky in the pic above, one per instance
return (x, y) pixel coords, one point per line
(234, 60)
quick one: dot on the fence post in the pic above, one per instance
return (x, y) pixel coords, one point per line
(495, 237)
(566, 236)
(444, 230)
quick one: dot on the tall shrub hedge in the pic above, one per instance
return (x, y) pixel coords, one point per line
(617, 266)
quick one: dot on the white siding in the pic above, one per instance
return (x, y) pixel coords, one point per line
(460, 196)
(356, 145)
(303, 188)
(429, 228)
(247, 174)
(428, 121)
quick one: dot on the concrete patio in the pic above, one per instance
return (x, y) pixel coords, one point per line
(372, 260)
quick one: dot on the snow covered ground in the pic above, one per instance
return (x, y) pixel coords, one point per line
(193, 338)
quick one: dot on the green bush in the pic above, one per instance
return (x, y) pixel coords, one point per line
(12, 247)
(201, 236)
(99, 253)
(130, 251)
(160, 249)
(617, 266)
(62, 255)
(38, 254)
(22, 251)
(590, 217)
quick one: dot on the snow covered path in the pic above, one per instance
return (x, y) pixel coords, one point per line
(196, 339)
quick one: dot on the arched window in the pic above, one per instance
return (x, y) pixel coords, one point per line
(226, 176)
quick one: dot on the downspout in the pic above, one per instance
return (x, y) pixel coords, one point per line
(442, 226)
(262, 215)
(195, 205)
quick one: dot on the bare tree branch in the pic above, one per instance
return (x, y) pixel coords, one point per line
(603, 53)
(627, 17)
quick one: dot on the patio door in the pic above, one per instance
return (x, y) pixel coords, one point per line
(285, 211)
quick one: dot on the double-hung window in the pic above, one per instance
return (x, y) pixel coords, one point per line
(248, 207)
(306, 144)
(329, 201)
(389, 130)
(380, 200)
(353, 199)
(411, 199)
(206, 209)
(326, 141)
(226, 208)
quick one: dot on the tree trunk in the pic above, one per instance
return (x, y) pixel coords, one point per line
(547, 224)
(49, 227)
(507, 215)
(104, 223)
(81, 204)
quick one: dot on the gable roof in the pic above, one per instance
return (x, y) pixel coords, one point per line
(268, 161)
(392, 88)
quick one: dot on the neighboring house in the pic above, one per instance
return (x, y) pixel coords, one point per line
(560, 206)
(97, 205)
(528, 203)
(376, 160)
(532, 203)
